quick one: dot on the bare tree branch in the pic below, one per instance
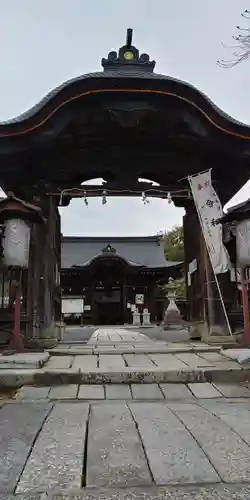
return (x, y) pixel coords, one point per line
(243, 39)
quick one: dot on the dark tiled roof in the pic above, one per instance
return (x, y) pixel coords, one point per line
(118, 66)
(137, 251)
(237, 213)
(118, 74)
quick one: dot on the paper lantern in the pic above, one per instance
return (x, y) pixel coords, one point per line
(16, 243)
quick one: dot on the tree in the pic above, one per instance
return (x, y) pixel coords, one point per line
(174, 250)
(174, 244)
(243, 43)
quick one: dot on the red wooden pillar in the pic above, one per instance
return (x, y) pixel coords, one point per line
(245, 305)
(17, 340)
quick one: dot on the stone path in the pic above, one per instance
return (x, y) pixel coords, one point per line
(197, 449)
(95, 433)
(117, 335)
(135, 391)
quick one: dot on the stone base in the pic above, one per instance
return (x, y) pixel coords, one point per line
(227, 342)
(215, 335)
(218, 331)
(197, 330)
(47, 343)
(48, 337)
(41, 344)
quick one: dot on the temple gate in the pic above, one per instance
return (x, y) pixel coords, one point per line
(122, 123)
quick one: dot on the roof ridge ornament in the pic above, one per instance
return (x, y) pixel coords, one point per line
(108, 249)
(128, 57)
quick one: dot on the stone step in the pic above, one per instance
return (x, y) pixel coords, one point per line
(127, 375)
(138, 392)
(23, 360)
(120, 348)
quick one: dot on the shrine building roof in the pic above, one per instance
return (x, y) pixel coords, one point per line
(142, 251)
(236, 213)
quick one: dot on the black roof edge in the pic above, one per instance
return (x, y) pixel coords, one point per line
(78, 239)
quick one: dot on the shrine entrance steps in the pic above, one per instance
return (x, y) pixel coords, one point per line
(121, 356)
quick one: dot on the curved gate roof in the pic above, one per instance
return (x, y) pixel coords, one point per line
(124, 69)
(123, 123)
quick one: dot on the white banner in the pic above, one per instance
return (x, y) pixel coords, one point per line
(209, 210)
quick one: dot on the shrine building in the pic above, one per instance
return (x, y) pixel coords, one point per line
(123, 123)
(112, 275)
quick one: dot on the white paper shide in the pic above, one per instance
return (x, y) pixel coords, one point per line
(16, 243)
(210, 210)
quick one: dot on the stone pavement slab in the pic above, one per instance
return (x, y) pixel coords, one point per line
(64, 392)
(169, 391)
(205, 492)
(115, 453)
(107, 361)
(192, 359)
(91, 392)
(56, 460)
(129, 444)
(131, 346)
(146, 391)
(204, 390)
(19, 425)
(25, 497)
(168, 361)
(118, 391)
(233, 390)
(237, 417)
(234, 353)
(115, 336)
(228, 453)
(214, 357)
(176, 391)
(59, 362)
(85, 363)
(173, 455)
(24, 360)
(28, 392)
(138, 360)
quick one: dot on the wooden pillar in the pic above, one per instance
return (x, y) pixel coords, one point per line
(193, 251)
(44, 269)
(203, 296)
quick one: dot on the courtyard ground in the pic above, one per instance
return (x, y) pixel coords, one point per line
(191, 448)
(127, 441)
(83, 334)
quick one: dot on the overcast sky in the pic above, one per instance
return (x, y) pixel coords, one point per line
(45, 42)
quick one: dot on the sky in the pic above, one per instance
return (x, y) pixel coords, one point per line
(45, 42)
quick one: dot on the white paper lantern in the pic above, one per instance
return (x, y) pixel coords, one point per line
(16, 243)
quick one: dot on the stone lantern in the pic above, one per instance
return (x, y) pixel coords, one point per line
(172, 315)
(17, 217)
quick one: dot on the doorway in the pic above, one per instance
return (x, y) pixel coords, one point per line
(108, 304)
